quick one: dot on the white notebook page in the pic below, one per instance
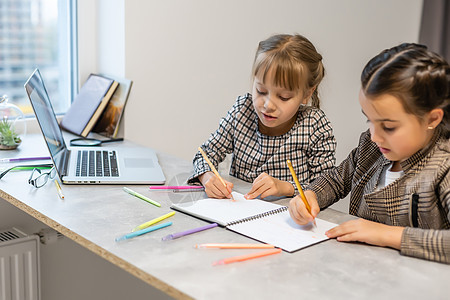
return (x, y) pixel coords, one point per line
(281, 231)
(224, 211)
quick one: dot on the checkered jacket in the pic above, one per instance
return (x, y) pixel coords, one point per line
(310, 145)
(426, 174)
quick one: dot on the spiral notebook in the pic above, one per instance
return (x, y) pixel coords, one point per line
(257, 219)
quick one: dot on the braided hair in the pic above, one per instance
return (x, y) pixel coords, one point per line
(417, 76)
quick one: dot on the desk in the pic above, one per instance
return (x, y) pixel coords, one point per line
(94, 216)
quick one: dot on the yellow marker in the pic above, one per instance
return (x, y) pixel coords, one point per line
(151, 222)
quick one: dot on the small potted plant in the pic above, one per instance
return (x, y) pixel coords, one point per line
(12, 125)
(9, 139)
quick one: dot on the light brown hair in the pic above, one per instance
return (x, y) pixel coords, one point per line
(295, 61)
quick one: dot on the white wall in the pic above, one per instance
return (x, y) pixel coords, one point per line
(190, 60)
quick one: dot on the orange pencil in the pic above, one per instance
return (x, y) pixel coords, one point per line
(213, 168)
(235, 246)
(299, 187)
(246, 257)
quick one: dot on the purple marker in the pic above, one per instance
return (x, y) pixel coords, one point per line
(190, 231)
(23, 159)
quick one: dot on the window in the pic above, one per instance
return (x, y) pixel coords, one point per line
(38, 34)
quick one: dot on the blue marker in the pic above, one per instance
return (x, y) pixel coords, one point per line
(143, 231)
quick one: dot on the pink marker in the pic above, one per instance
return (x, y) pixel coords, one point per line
(176, 187)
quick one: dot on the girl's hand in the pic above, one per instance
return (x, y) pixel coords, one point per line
(265, 185)
(298, 211)
(214, 188)
(368, 232)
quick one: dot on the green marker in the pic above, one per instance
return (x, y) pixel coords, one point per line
(141, 196)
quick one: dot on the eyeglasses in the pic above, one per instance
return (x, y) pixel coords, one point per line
(25, 167)
(39, 179)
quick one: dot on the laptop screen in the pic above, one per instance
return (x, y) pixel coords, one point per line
(46, 118)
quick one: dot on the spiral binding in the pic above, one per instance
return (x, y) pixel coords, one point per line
(259, 216)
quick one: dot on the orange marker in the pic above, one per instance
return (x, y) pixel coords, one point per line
(246, 257)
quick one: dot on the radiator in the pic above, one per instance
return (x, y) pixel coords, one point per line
(19, 265)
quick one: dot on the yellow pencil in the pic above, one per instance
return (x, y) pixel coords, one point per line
(299, 187)
(213, 168)
(151, 222)
(58, 188)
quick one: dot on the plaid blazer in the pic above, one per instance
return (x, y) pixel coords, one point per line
(309, 144)
(419, 200)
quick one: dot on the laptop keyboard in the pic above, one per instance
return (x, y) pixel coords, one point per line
(91, 163)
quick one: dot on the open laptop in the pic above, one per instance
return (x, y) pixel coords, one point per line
(90, 165)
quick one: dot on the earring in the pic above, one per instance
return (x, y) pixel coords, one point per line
(430, 127)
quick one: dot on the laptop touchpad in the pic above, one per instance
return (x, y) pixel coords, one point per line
(138, 163)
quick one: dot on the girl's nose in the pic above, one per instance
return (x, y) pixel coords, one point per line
(268, 103)
(375, 135)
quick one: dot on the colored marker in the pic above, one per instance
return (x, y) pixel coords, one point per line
(189, 191)
(23, 159)
(235, 246)
(176, 187)
(141, 196)
(154, 221)
(246, 257)
(187, 232)
(143, 231)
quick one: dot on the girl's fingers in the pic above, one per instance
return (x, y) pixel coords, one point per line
(312, 201)
(264, 191)
(215, 189)
(297, 211)
(254, 191)
(314, 208)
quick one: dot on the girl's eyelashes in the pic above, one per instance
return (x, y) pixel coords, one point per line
(384, 127)
(389, 129)
(260, 92)
(265, 92)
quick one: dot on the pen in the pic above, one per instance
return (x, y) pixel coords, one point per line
(213, 168)
(246, 257)
(143, 231)
(141, 196)
(299, 187)
(176, 187)
(151, 222)
(23, 159)
(235, 246)
(58, 188)
(190, 231)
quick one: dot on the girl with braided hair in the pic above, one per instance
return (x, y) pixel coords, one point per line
(398, 176)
